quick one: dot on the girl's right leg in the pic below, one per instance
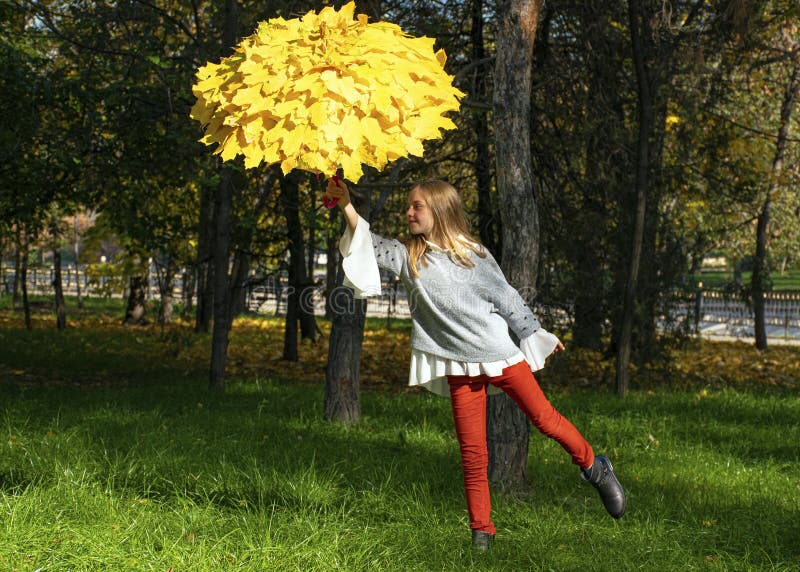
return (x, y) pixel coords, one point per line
(468, 400)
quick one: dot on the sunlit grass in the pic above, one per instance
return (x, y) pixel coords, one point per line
(114, 456)
(172, 476)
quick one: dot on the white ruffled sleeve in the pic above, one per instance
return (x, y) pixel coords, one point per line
(537, 347)
(358, 261)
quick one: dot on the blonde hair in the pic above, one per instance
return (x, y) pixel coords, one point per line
(450, 225)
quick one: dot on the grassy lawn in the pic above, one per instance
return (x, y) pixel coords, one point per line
(114, 456)
(789, 281)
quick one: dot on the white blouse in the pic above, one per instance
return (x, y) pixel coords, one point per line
(428, 370)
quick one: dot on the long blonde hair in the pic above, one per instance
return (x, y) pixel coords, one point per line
(450, 224)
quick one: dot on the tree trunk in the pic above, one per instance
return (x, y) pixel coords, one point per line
(58, 287)
(135, 311)
(188, 281)
(507, 426)
(487, 223)
(605, 116)
(166, 282)
(241, 270)
(332, 242)
(205, 265)
(23, 276)
(344, 355)
(17, 270)
(639, 27)
(300, 305)
(223, 208)
(344, 346)
(77, 263)
(222, 292)
(761, 262)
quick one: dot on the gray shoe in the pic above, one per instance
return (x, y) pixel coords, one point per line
(482, 540)
(601, 475)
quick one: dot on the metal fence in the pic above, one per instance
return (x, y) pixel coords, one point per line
(707, 312)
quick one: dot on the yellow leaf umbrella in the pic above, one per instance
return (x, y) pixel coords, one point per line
(325, 91)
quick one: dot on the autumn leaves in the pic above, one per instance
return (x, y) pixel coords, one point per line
(325, 91)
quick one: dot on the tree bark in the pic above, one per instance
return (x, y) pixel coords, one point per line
(23, 276)
(241, 270)
(342, 379)
(761, 262)
(507, 426)
(189, 280)
(222, 293)
(166, 281)
(330, 265)
(135, 310)
(639, 27)
(58, 286)
(17, 269)
(487, 222)
(205, 265)
(605, 116)
(77, 263)
(223, 208)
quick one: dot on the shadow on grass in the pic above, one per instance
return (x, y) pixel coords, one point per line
(263, 447)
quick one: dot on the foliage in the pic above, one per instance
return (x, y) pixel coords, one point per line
(325, 91)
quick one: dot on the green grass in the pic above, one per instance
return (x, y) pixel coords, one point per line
(113, 463)
(789, 281)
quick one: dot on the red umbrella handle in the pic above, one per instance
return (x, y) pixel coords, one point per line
(328, 201)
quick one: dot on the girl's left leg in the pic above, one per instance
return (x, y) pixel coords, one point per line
(518, 382)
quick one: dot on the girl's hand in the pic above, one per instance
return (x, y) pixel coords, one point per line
(338, 190)
(559, 347)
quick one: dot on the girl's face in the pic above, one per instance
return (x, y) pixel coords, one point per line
(420, 219)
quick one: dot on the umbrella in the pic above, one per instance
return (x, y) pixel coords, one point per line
(323, 92)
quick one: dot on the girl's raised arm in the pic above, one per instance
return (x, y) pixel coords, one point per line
(338, 190)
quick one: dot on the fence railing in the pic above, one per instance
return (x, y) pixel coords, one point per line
(706, 311)
(725, 313)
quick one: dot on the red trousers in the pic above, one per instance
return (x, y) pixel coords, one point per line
(468, 399)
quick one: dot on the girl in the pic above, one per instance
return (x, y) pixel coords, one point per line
(462, 308)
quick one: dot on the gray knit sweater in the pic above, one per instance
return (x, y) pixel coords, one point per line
(459, 313)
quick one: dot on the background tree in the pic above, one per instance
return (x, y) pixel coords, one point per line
(507, 429)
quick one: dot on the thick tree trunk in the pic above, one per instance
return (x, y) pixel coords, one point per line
(507, 426)
(761, 262)
(222, 292)
(639, 27)
(344, 346)
(344, 355)
(135, 310)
